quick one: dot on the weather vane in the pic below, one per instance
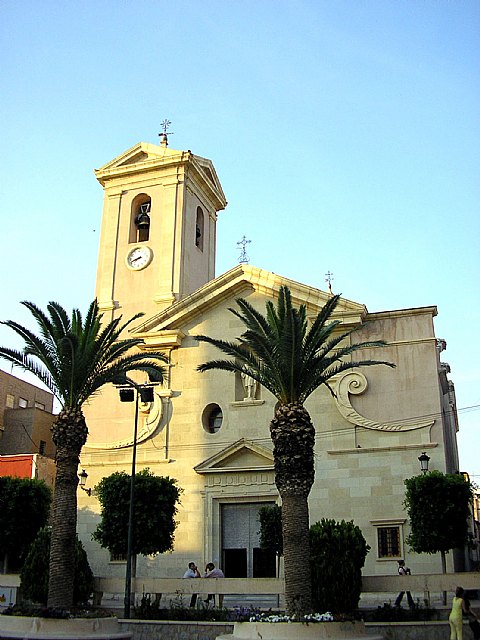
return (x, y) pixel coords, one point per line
(243, 259)
(329, 278)
(164, 136)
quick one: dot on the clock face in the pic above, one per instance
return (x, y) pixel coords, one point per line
(139, 258)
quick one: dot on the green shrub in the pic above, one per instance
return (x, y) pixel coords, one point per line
(271, 538)
(155, 506)
(149, 609)
(24, 510)
(389, 613)
(337, 555)
(34, 574)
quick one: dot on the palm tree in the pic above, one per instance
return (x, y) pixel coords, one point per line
(291, 361)
(73, 357)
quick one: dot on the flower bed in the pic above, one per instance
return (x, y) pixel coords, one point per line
(354, 630)
(311, 617)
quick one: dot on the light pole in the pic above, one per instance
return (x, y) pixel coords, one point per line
(130, 393)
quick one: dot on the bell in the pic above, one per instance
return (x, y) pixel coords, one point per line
(142, 220)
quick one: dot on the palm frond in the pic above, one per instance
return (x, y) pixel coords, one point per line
(60, 321)
(74, 356)
(22, 361)
(279, 351)
(224, 365)
(43, 321)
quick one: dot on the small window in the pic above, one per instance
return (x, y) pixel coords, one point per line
(118, 557)
(388, 542)
(212, 418)
(39, 405)
(10, 401)
(22, 403)
(42, 447)
(199, 229)
(389, 537)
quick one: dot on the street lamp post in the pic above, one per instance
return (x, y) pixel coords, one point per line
(130, 394)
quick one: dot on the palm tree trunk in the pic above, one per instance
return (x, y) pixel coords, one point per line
(293, 437)
(296, 551)
(64, 531)
(69, 434)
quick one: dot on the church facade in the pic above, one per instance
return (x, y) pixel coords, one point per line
(210, 431)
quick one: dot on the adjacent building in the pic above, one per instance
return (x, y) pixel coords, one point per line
(26, 446)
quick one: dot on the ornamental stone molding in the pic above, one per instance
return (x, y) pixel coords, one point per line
(149, 416)
(354, 382)
(239, 479)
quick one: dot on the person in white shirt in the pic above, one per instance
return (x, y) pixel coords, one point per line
(404, 571)
(192, 572)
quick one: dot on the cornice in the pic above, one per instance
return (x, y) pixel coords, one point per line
(420, 446)
(161, 339)
(239, 279)
(120, 166)
(398, 313)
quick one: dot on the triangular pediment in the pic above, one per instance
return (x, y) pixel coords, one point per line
(208, 170)
(139, 153)
(138, 157)
(242, 455)
(145, 157)
(235, 283)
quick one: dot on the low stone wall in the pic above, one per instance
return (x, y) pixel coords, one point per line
(162, 630)
(412, 630)
(173, 630)
(24, 628)
(285, 631)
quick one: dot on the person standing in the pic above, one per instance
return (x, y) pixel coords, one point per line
(455, 617)
(192, 572)
(404, 571)
(212, 572)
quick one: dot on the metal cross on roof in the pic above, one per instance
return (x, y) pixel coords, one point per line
(329, 278)
(165, 124)
(164, 136)
(243, 252)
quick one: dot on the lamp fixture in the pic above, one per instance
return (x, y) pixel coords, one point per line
(424, 460)
(82, 477)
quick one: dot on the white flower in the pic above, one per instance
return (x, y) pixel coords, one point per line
(311, 617)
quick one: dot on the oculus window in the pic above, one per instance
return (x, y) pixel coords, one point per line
(212, 418)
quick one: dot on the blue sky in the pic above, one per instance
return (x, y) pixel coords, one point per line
(345, 135)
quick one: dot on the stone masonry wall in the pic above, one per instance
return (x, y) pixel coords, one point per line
(160, 630)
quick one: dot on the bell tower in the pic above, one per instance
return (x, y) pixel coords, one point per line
(157, 241)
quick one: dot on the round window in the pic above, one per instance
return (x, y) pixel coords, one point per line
(212, 418)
